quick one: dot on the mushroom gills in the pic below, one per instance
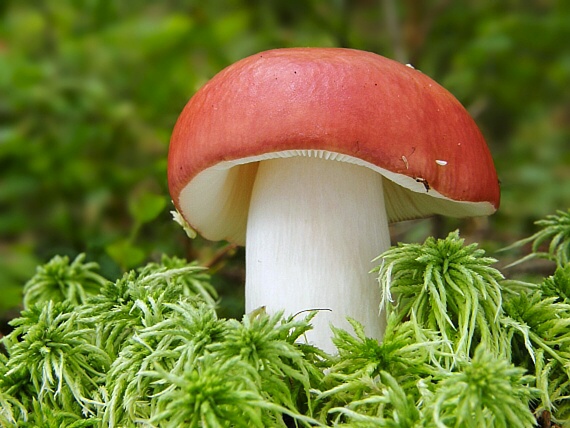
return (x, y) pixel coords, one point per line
(314, 226)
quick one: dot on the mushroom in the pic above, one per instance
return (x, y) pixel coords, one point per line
(305, 155)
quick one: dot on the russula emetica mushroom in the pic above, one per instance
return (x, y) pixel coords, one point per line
(305, 155)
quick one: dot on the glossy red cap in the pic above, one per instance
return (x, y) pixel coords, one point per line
(350, 102)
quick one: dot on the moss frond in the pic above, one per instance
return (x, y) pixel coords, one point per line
(59, 280)
(484, 392)
(448, 287)
(555, 233)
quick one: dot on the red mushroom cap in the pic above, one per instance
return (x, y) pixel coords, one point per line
(373, 110)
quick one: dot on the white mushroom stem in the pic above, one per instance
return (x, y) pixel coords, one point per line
(314, 227)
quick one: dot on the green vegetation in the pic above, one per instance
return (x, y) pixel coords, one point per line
(463, 347)
(91, 91)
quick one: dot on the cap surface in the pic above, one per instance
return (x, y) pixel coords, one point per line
(344, 104)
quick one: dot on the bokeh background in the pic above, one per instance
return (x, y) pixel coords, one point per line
(90, 91)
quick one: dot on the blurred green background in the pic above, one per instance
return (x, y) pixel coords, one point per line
(90, 91)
